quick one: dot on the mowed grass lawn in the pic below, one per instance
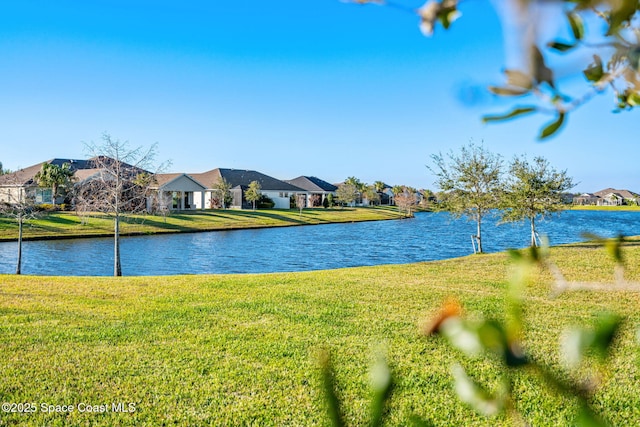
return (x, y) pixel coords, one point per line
(70, 224)
(242, 350)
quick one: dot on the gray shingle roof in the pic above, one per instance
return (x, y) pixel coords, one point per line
(242, 178)
(311, 183)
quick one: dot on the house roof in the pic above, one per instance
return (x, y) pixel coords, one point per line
(26, 176)
(242, 177)
(177, 182)
(625, 194)
(311, 183)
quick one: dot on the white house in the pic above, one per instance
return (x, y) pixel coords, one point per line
(178, 191)
(239, 179)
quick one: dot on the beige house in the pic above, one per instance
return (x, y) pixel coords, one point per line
(16, 186)
(608, 197)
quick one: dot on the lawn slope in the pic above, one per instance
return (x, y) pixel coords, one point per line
(241, 350)
(57, 225)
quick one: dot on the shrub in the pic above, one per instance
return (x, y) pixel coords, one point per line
(265, 202)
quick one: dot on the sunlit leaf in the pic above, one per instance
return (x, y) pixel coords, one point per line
(462, 336)
(518, 78)
(574, 345)
(508, 91)
(428, 14)
(511, 114)
(579, 341)
(577, 26)
(552, 127)
(382, 384)
(614, 248)
(474, 395)
(634, 99)
(621, 15)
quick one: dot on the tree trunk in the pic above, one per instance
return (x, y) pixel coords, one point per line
(54, 190)
(479, 235)
(117, 269)
(19, 264)
(534, 243)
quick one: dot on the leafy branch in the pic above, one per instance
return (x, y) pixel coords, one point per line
(616, 64)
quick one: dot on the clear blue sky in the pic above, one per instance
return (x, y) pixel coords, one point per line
(287, 87)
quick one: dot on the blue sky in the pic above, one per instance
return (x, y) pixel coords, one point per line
(314, 87)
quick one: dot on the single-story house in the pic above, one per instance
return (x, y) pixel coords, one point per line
(608, 197)
(239, 180)
(15, 186)
(317, 189)
(177, 191)
(613, 197)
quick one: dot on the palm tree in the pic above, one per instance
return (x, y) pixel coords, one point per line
(53, 176)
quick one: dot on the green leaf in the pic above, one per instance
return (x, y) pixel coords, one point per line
(577, 26)
(511, 114)
(329, 387)
(599, 339)
(560, 46)
(634, 99)
(508, 91)
(474, 395)
(594, 72)
(462, 336)
(621, 15)
(541, 72)
(614, 247)
(382, 384)
(552, 127)
(606, 330)
(587, 418)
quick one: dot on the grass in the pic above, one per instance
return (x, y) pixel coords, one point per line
(71, 225)
(242, 349)
(603, 208)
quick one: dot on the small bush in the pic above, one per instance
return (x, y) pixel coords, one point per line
(46, 207)
(265, 203)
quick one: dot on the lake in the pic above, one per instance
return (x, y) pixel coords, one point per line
(428, 236)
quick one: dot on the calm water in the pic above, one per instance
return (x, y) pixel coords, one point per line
(429, 236)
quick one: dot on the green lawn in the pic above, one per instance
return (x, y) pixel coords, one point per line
(242, 350)
(604, 208)
(69, 224)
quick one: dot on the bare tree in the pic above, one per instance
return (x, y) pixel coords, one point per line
(19, 206)
(406, 200)
(301, 201)
(121, 183)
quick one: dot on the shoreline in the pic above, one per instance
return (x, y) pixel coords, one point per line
(157, 225)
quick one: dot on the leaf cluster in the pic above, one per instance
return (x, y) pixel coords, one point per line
(615, 41)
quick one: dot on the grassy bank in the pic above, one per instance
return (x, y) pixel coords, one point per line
(603, 208)
(241, 350)
(69, 225)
